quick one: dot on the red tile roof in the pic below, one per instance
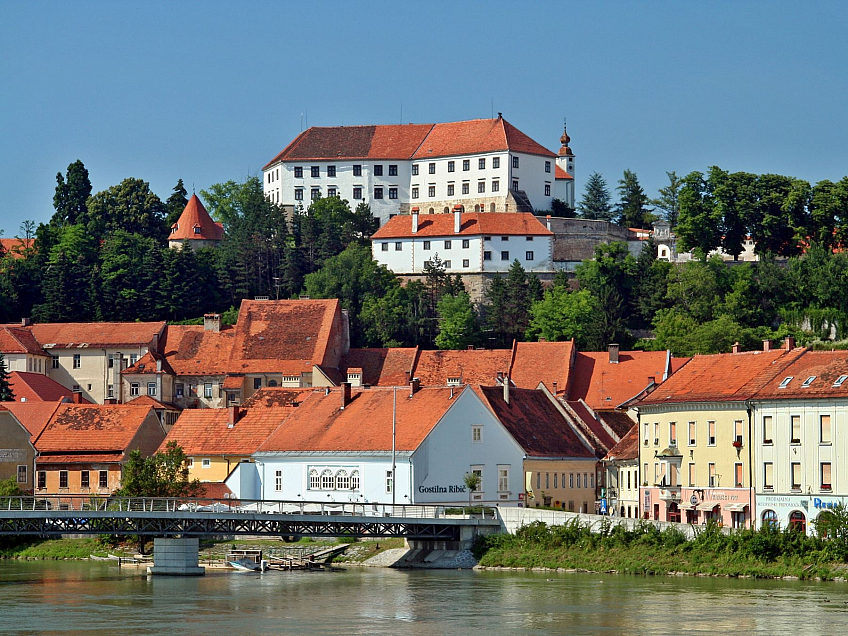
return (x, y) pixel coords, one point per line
(827, 367)
(152, 402)
(365, 424)
(618, 422)
(206, 431)
(627, 448)
(354, 142)
(276, 396)
(535, 423)
(604, 385)
(473, 224)
(148, 364)
(87, 428)
(219, 491)
(591, 425)
(97, 458)
(19, 340)
(70, 335)
(479, 366)
(477, 136)
(559, 173)
(37, 387)
(195, 216)
(33, 415)
(380, 367)
(722, 377)
(15, 247)
(191, 350)
(545, 362)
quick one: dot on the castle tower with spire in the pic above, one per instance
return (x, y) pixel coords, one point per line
(564, 189)
(195, 228)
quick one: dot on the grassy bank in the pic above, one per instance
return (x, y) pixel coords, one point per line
(765, 553)
(51, 549)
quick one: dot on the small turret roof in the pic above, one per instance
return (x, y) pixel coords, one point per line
(195, 216)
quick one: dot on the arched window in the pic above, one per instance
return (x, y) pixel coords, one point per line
(327, 479)
(314, 481)
(477, 207)
(354, 480)
(431, 211)
(446, 210)
(493, 208)
(272, 383)
(342, 480)
(797, 521)
(770, 519)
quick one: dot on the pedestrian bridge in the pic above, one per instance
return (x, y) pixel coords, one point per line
(55, 515)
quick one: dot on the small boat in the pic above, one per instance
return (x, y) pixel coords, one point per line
(248, 565)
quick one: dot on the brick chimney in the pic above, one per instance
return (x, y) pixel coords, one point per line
(212, 322)
(737, 347)
(26, 322)
(415, 222)
(345, 394)
(506, 389)
(789, 343)
(766, 345)
(77, 397)
(613, 353)
(233, 415)
(414, 386)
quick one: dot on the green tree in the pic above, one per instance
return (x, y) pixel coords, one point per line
(669, 198)
(596, 201)
(164, 474)
(561, 209)
(610, 278)
(129, 206)
(6, 393)
(651, 286)
(71, 195)
(563, 314)
(631, 208)
(780, 224)
(176, 203)
(696, 288)
(457, 322)
(699, 223)
(126, 274)
(507, 304)
(735, 196)
(362, 224)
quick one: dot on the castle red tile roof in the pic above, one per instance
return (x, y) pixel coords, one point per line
(627, 448)
(15, 247)
(559, 173)
(477, 136)
(365, 424)
(546, 362)
(722, 377)
(478, 366)
(33, 415)
(37, 387)
(19, 340)
(354, 142)
(825, 367)
(535, 422)
(207, 432)
(472, 224)
(91, 428)
(195, 217)
(75, 335)
(605, 385)
(381, 367)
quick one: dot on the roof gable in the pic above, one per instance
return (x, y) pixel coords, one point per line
(33, 415)
(477, 136)
(548, 363)
(627, 448)
(196, 224)
(37, 387)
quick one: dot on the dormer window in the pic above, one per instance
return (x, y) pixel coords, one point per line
(454, 381)
(173, 229)
(786, 382)
(840, 380)
(197, 230)
(808, 381)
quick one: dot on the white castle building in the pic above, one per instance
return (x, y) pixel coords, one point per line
(481, 165)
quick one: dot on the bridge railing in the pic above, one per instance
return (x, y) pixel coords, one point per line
(65, 502)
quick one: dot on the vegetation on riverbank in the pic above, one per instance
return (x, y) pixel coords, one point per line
(50, 549)
(764, 553)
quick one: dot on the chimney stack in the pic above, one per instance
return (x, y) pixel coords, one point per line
(233, 414)
(548, 222)
(500, 376)
(506, 388)
(766, 345)
(110, 401)
(789, 343)
(555, 389)
(345, 394)
(414, 386)
(212, 322)
(457, 219)
(77, 397)
(26, 322)
(737, 347)
(415, 222)
(613, 353)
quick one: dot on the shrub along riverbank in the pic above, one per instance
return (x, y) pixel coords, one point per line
(764, 553)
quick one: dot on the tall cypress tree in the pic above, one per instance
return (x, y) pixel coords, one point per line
(632, 201)
(71, 195)
(176, 203)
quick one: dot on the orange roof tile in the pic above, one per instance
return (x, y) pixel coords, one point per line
(604, 385)
(722, 377)
(365, 424)
(591, 424)
(33, 415)
(196, 224)
(148, 364)
(219, 491)
(69, 335)
(191, 350)
(276, 396)
(37, 387)
(98, 458)
(546, 362)
(354, 142)
(15, 247)
(619, 422)
(19, 340)
(206, 431)
(147, 400)
(477, 136)
(479, 366)
(559, 173)
(380, 367)
(825, 367)
(627, 448)
(473, 224)
(535, 423)
(87, 428)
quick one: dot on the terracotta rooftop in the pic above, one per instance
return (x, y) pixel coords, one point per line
(148, 364)
(15, 247)
(545, 362)
(19, 340)
(276, 396)
(591, 425)
(722, 377)
(477, 136)
(627, 448)
(207, 432)
(605, 385)
(191, 350)
(76, 335)
(365, 424)
(535, 423)
(152, 402)
(562, 174)
(196, 224)
(380, 367)
(472, 224)
(33, 415)
(91, 428)
(477, 366)
(618, 422)
(815, 374)
(37, 387)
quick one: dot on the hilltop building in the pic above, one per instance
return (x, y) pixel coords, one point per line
(195, 228)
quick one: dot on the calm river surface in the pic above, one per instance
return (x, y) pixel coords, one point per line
(98, 598)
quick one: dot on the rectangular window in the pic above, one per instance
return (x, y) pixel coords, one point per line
(556, 480)
(547, 189)
(547, 481)
(712, 433)
(393, 193)
(392, 170)
(481, 164)
(331, 171)
(378, 193)
(151, 388)
(384, 247)
(465, 188)
(179, 389)
(476, 434)
(315, 171)
(414, 169)
(450, 189)
(481, 186)
(77, 361)
(515, 184)
(547, 166)
(205, 463)
(63, 479)
(465, 262)
(110, 390)
(315, 193)
(42, 479)
(298, 172)
(431, 191)
(257, 383)
(278, 480)
(496, 162)
(331, 192)
(571, 480)
(22, 474)
(111, 364)
(656, 433)
(207, 390)
(414, 193)
(737, 431)
(672, 433)
(357, 170)
(487, 256)
(378, 170)
(824, 429)
(55, 361)
(84, 479)
(515, 162)
(103, 480)
(426, 245)
(398, 246)
(825, 476)
(466, 165)
(134, 389)
(357, 193)
(504, 256)
(692, 431)
(451, 166)
(591, 480)
(528, 256)
(712, 473)
(389, 481)
(447, 245)
(298, 194)
(447, 264)
(796, 429)
(691, 475)
(795, 472)
(737, 475)
(768, 430)
(465, 244)
(496, 186)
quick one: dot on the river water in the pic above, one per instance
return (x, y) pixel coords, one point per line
(99, 598)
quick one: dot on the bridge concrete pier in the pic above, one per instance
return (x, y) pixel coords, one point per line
(176, 557)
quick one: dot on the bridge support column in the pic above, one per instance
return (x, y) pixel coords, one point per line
(176, 557)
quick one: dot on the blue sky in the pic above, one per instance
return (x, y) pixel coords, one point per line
(210, 91)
